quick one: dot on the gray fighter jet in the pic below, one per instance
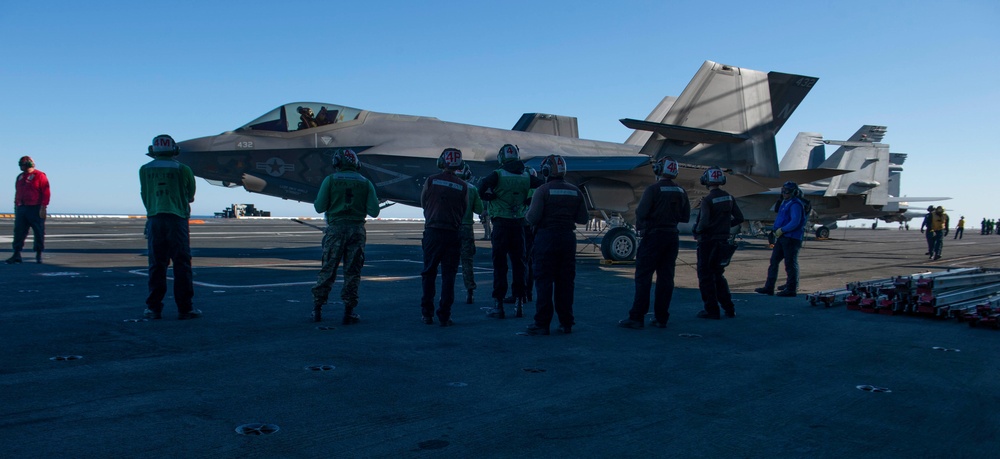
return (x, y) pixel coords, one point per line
(871, 190)
(726, 116)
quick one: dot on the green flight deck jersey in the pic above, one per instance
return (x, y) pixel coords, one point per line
(346, 197)
(167, 187)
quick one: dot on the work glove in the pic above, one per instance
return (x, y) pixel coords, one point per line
(41, 213)
(921, 231)
(778, 232)
(946, 233)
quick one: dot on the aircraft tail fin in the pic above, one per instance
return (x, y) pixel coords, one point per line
(726, 116)
(869, 163)
(806, 152)
(542, 123)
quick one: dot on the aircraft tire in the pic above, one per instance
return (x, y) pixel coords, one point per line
(619, 244)
(823, 232)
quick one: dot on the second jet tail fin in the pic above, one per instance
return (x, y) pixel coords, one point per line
(726, 116)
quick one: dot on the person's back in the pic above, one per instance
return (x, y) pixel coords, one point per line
(345, 197)
(444, 199)
(167, 187)
(723, 214)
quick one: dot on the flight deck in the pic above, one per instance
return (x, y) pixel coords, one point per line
(83, 375)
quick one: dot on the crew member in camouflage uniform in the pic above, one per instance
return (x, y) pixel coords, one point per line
(468, 235)
(167, 188)
(345, 197)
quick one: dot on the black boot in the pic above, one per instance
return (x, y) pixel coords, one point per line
(350, 317)
(519, 308)
(16, 258)
(317, 313)
(497, 311)
(468, 299)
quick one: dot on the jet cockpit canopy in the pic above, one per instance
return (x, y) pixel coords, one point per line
(300, 116)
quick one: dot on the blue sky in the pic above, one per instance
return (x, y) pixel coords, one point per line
(87, 85)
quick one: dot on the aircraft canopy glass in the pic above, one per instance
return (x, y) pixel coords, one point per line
(300, 116)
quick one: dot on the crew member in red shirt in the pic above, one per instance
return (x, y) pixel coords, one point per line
(31, 197)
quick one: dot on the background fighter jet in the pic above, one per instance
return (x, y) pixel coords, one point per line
(726, 116)
(871, 190)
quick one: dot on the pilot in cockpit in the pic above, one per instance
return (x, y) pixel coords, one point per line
(325, 116)
(307, 120)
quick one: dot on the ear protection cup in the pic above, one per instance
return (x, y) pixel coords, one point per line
(666, 166)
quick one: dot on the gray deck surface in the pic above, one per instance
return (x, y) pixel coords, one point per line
(779, 380)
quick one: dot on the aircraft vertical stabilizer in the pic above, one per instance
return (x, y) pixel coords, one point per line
(727, 115)
(806, 152)
(543, 123)
(870, 165)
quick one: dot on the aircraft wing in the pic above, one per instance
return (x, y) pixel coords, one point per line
(919, 199)
(596, 163)
(805, 176)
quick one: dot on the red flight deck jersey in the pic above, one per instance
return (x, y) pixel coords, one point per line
(31, 189)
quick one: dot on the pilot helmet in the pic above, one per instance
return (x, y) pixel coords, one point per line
(553, 166)
(930, 208)
(163, 145)
(451, 159)
(346, 159)
(26, 162)
(666, 167)
(939, 210)
(713, 176)
(508, 153)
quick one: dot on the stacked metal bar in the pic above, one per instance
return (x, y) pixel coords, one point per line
(968, 294)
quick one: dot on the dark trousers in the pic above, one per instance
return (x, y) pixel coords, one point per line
(785, 249)
(529, 271)
(26, 217)
(441, 247)
(657, 253)
(930, 241)
(937, 242)
(169, 240)
(712, 282)
(554, 255)
(508, 242)
(958, 232)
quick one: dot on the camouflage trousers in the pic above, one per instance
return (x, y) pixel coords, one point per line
(468, 252)
(345, 243)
